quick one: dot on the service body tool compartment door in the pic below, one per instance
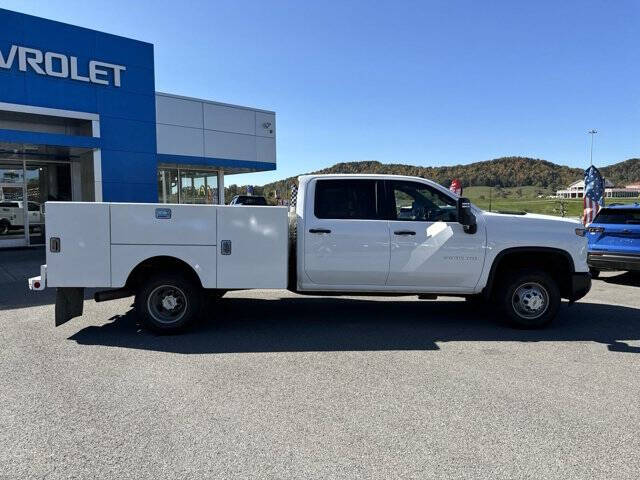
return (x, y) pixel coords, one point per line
(80, 231)
(252, 247)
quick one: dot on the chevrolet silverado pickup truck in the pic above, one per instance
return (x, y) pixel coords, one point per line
(345, 235)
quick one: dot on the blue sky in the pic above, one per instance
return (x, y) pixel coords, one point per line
(425, 83)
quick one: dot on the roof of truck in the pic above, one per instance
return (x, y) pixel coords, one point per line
(306, 178)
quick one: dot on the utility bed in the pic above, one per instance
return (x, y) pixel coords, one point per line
(100, 244)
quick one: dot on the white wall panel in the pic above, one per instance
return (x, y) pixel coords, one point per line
(178, 111)
(229, 146)
(175, 140)
(266, 149)
(262, 120)
(229, 119)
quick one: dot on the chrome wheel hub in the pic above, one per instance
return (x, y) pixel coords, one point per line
(530, 300)
(167, 304)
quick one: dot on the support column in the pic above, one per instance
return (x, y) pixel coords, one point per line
(221, 187)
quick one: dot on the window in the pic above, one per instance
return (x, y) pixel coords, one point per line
(419, 202)
(182, 185)
(346, 199)
(168, 185)
(618, 216)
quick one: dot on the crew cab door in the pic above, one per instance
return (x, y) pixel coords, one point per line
(429, 248)
(346, 237)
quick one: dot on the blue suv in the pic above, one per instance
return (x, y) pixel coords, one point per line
(614, 239)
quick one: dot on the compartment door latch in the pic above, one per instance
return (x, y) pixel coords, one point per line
(225, 247)
(54, 244)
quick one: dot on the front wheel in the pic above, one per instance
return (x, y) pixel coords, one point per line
(529, 299)
(168, 303)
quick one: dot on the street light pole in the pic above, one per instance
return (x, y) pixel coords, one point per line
(592, 132)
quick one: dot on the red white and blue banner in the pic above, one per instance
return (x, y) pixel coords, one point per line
(593, 194)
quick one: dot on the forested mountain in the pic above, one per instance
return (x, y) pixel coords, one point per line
(503, 172)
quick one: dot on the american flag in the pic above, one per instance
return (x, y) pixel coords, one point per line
(593, 194)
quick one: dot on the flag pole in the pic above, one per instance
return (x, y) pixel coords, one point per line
(592, 132)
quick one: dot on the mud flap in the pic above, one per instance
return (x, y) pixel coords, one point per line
(69, 304)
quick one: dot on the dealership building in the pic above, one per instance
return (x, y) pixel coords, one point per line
(80, 120)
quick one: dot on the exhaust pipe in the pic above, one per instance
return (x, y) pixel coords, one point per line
(105, 295)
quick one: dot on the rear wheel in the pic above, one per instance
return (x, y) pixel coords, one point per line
(595, 273)
(4, 226)
(529, 299)
(168, 303)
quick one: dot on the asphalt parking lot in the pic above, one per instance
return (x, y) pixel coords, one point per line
(275, 385)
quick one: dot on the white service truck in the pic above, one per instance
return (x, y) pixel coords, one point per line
(346, 234)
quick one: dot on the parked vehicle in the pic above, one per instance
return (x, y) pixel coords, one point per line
(347, 234)
(248, 200)
(614, 239)
(12, 215)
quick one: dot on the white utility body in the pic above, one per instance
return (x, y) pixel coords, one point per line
(347, 234)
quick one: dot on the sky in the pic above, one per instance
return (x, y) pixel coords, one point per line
(425, 83)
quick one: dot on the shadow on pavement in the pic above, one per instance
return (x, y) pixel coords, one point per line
(332, 324)
(17, 295)
(626, 278)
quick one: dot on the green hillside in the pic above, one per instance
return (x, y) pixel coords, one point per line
(503, 172)
(516, 183)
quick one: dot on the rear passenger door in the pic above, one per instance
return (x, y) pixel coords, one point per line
(346, 235)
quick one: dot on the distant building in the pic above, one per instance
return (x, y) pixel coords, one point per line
(576, 190)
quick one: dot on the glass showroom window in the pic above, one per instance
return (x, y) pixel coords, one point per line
(168, 185)
(181, 185)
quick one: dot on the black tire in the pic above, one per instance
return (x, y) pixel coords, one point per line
(529, 298)
(595, 273)
(168, 303)
(4, 226)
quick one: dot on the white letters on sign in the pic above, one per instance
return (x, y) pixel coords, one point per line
(60, 66)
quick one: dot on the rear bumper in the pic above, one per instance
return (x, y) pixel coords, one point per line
(613, 261)
(580, 285)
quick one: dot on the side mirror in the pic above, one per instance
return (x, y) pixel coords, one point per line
(465, 216)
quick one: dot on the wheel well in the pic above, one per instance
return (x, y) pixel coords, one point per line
(160, 264)
(557, 263)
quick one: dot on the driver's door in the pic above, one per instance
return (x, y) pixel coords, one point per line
(429, 248)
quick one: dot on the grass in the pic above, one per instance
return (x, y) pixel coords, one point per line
(525, 199)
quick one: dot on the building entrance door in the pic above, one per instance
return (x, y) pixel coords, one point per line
(25, 186)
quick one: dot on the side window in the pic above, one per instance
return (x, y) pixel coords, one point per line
(418, 202)
(346, 199)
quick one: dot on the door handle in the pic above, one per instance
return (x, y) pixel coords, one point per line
(404, 232)
(319, 230)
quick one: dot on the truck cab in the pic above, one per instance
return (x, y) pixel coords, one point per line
(392, 234)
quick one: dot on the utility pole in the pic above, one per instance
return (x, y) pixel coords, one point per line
(592, 132)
